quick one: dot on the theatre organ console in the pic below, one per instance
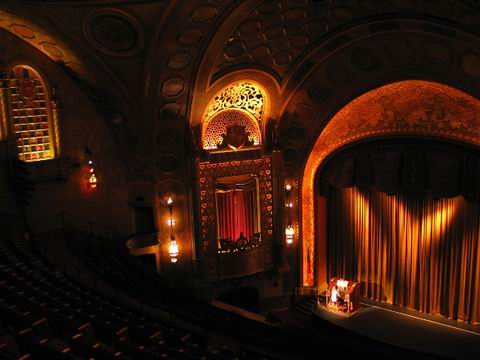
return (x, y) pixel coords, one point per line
(343, 296)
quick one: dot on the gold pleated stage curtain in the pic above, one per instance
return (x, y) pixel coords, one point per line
(409, 250)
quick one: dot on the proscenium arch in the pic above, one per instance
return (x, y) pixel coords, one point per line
(410, 107)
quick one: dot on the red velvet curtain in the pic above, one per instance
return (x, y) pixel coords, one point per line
(237, 213)
(409, 250)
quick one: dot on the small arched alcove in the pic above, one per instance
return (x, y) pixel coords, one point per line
(234, 117)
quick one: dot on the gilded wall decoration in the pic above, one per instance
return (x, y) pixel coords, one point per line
(242, 103)
(412, 107)
(216, 129)
(245, 96)
(207, 173)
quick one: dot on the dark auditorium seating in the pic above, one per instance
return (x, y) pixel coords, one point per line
(47, 316)
(48, 313)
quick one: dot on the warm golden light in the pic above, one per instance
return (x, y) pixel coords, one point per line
(29, 96)
(173, 250)
(376, 113)
(289, 234)
(242, 103)
(409, 249)
(92, 181)
(92, 178)
(173, 246)
(288, 187)
(245, 95)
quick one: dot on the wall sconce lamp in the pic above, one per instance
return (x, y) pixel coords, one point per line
(173, 246)
(289, 230)
(92, 177)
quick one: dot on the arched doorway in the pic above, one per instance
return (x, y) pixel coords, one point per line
(412, 108)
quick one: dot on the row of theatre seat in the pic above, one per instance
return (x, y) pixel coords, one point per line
(113, 261)
(47, 315)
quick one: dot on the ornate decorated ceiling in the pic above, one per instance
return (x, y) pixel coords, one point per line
(152, 66)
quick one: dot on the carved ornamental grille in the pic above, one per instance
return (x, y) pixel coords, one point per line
(217, 128)
(243, 104)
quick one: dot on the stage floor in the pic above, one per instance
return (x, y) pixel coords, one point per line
(402, 328)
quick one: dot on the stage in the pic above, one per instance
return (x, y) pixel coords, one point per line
(409, 329)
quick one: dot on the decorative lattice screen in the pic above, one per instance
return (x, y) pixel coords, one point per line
(242, 104)
(212, 136)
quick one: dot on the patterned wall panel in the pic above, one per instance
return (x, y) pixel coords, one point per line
(207, 173)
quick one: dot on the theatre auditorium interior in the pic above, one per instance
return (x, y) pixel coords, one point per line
(239, 179)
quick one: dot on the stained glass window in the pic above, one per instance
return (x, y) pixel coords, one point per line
(31, 115)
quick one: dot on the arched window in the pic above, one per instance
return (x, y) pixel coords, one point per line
(32, 119)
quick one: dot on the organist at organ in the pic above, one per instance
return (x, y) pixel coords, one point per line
(343, 296)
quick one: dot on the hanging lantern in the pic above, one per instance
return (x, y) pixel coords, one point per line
(92, 181)
(289, 234)
(289, 230)
(173, 246)
(173, 250)
(92, 178)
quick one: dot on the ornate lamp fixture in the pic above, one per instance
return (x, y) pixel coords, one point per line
(289, 230)
(92, 178)
(173, 246)
(92, 181)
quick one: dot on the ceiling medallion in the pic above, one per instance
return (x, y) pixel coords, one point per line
(114, 32)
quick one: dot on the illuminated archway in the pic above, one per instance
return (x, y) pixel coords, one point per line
(242, 103)
(412, 107)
